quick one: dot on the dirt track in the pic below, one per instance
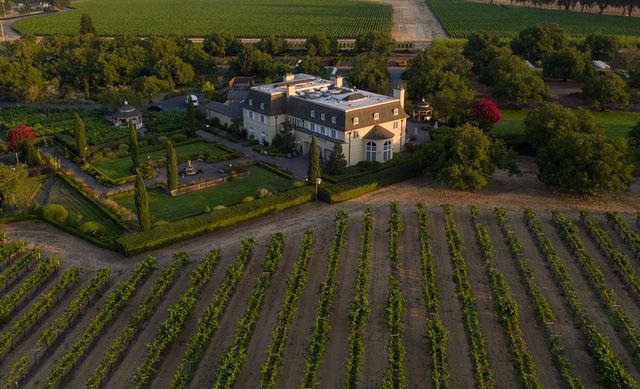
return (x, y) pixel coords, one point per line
(413, 21)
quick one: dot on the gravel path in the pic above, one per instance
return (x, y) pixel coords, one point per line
(413, 21)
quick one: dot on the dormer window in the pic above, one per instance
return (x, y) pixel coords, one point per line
(322, 116)
(395, 112)
(251, 102)
(356, 120)
(333, 119)
(376, 116)
(262, 106)
(313, 113)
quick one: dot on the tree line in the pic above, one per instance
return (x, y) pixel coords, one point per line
(626, 7)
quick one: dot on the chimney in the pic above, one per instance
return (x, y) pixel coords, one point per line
(398, 93)
(339, 80)
(289, 77)
(291, 90)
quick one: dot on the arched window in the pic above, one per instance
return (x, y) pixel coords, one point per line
(387, 151)
(371, 151)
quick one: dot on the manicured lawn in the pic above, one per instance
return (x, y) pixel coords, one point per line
(26, 195)
(617, 124)
(119, 168)
(67, 196)
(245, 18)
(164, 207)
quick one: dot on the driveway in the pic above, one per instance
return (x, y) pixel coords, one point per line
(413, 21)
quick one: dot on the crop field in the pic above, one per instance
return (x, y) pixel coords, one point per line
(461, 19)
(395, 296)
(243, 18)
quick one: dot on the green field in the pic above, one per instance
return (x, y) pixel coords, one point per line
(67, 196)
(461, 19)
(167, 208)
(617, 124)
(119, 168)
(245, 18)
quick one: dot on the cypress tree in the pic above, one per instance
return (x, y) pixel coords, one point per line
(191, 117)
(32, 155)
(133, 145)
(86, 25)
(81, 137)
(142, 204)
(337, 162)
(172, 167)
(313, 171)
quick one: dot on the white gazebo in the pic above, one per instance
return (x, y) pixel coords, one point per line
(422, 111)
(127, 114)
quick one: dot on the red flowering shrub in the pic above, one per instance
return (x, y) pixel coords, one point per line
(17, 136)
(486, 112)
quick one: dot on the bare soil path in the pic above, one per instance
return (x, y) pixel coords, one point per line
(413, 21)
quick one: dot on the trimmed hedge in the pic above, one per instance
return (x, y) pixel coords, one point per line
(342, 192)
(186, 228)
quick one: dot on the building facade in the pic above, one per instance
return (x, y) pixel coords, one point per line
(369, 126)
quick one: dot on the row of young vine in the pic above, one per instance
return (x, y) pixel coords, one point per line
(7, 251)
(544, 313)
(116, 301)
(117, 350)
(42, 273)
(622, 263)
(359, 307)
(177, 316)
(295, 284)
(232, 360)
(624, 229)
(436, 334)
(210, 319)
(318, 338)
(624, 324)
(394, 375)
(19, 266)
(483, 372)
(605, 360)
(507, 308)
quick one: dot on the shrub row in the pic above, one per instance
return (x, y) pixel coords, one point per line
(8, 250)
(625, 230)
(75, 307)
(544, 313)
(394, 375)
(42, 273)
(50, 298)
(210, 320)
(232, 360)
(359, 307)
(177, 316)
(116, 301)
(295, 284)
(507, 308)
(22, 264)
(186, 228)
(605, 360)
(436, 334)
(144, 310)
(345, 191)
(318, 338)
(483, 372)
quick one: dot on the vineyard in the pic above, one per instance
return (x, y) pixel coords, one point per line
(391, 296)
(243, 18)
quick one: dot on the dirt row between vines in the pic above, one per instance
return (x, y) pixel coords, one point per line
(332, 370)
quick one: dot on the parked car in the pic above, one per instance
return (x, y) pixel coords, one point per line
(155, 108)
(194, 98)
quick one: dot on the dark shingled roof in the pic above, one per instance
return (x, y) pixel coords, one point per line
(232, 110)
(379, 133)
(126, 111)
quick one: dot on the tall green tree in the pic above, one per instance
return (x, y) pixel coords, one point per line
(380, 43)
(32, 154)
(537, 42)
(172, 167)
(191, 117)
(142, 204)
(134, 150)
(604, 89)
(337, 162)
(81, 137)
(370, 73)
(86, 25)
(313, 171)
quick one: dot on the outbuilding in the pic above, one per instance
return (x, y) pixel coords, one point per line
(127, 114)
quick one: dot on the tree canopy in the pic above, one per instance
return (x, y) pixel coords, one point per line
(370, 73)
(605, 89)
(537, 42)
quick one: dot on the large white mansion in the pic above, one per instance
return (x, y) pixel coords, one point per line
(369, 126)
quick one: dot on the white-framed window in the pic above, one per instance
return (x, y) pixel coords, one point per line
(387, 152)
(376, 116)
(313, 127)
(322, 130)
(323, 116)
(263, 119)
(251, 102)
(251, 114)
(262, 106)
(371, 151)
(333, 133)
(395, 112)
(333, 119)
(313, 113)
(356, 135)
(251, 130)
(395, 125)
(356, 120)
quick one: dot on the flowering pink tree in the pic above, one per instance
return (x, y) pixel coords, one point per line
(486, 112)
(18, 135)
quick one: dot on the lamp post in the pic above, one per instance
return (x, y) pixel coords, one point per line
(318, 182)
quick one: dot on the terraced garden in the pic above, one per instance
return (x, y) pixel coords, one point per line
(244, 18)
(390, 296)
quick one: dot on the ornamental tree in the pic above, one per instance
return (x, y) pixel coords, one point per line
(337, 163)
(486, 112)
(172, 167)
(313, 171)
(18, 136)
(142, 204)
(133, 145)
(81, 137)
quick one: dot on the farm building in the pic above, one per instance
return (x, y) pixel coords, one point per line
(369, 126)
